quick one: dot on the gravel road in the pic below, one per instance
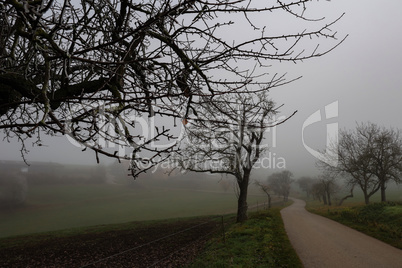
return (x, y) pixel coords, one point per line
(321, 242)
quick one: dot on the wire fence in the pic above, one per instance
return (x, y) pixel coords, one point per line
(196, 233)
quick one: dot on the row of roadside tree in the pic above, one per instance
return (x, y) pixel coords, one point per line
(368, 158)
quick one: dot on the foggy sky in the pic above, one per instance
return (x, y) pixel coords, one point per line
(363, 75)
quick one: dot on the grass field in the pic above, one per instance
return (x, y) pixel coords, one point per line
(68, 206)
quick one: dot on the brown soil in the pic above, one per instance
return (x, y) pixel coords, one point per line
(172, 244)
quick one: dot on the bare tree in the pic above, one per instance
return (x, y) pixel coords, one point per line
(227, 139)
(369, 157)
(280, 183)
(93, 69)
(350, 195)
(386, 154)
(321, 187)
(306, 184)
(266, 189)
(328, 187)
(318, 192)
(355, 162)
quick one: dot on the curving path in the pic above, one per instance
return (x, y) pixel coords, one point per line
(321, 242)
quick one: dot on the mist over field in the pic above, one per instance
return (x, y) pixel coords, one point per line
(52, 196)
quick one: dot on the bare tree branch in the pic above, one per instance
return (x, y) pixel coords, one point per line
(93, 70)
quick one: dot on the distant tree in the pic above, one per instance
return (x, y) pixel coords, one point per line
(280, 183)
(306, 184)
(347, 196)
(386, 153)
(328, 187)
(355, 163)
(368, 157)
(266, 189)
(318, 192)
(98, 70)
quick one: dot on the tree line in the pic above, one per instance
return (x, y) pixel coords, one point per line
(368, 158)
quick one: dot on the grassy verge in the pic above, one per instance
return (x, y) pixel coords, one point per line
(259, 242)
(380, 220)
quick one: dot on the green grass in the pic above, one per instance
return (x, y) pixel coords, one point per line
(380, 220)
(259, 242)
(59, 207)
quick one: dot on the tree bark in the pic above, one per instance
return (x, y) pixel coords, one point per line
(346, 197)
(366, 199)
(383, 187)
(269, 201)
(329, 198)
(242, 206)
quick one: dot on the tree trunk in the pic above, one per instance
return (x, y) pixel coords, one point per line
(269, 201)
(346, 197)
(383, 187)
(329, 198)
(242, 199)
(366, 198)
(324, 198)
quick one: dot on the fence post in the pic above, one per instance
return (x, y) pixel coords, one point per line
(223, 231)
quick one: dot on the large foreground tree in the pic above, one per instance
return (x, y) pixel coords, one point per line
(227, 138)
(92, 69)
